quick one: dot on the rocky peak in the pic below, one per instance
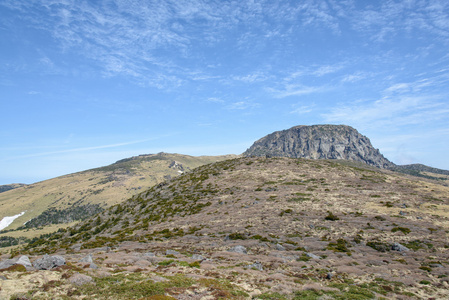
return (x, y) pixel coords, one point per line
(319, 142)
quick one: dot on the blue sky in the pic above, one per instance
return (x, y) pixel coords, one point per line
(85, 83)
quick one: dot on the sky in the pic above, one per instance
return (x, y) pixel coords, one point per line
(86, 83)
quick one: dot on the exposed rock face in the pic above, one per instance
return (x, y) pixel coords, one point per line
(319, 142)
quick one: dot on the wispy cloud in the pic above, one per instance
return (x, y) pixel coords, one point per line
(242, 105)
(81, 149)
(302, 109)
(387, 112)
(295, 90)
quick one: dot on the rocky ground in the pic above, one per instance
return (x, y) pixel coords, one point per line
(255, 228)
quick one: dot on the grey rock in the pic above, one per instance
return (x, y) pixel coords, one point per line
(319, 142)
(197, 257)
(93, 266)
(149, 254)
(329, 276)
(238, 249)
(106, 249)
(7, 263)
(78, 279)
(311, 255)
(48, 262)
(436, 266)
(399, 247)
(87, 259)
(76, 247)
(171, 252)
(3, 277)
(257, 265)
(24, 261)
(402, 213)
(279, 247)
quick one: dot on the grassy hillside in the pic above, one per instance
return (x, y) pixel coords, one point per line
(310, 229)
(103, 186)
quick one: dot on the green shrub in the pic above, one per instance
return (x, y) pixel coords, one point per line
(331, 217)
(404, 230)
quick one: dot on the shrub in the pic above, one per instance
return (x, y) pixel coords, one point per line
(331, 217)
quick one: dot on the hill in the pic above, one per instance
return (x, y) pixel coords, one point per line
(7, 187)
(424, 171)
(80, 195)
(319, 142)
(265, 228)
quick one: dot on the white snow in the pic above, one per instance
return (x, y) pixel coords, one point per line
(6, 221)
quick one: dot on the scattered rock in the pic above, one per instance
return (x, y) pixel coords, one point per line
(93, 266)
(171, 252)
(3, 277)
(311, 255)
(48, 262)
(399, 247)
(149, 254)
(76, 247)
(23, 260)
(257, 265)
(238, 249)
(87, 259)
(7, 263)
(279, 247)
(197, 257)
(80, 279)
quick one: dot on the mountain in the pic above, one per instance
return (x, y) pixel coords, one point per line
(319, 142)
(80, 195)
(264, 228)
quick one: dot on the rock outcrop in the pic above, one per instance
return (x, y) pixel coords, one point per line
(319, 142)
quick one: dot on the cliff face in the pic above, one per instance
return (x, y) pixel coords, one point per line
(319, 142)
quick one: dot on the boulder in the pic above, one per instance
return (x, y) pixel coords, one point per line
(24, 261)
(197, 257)
(257, 265)
(87, 259)
(238, 249)
(311, 255)
(171, 252)
(48, 262)
(399, 247)
(78, 279)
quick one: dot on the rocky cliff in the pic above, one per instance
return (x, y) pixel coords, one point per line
(320, 142)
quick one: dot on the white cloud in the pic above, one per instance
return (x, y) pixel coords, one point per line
(303, 109)
(295, 90)
(242, 105)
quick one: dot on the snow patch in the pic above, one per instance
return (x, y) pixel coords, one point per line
(6, 221)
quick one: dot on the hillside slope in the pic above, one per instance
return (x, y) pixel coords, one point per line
(89, 191)
(324, 226)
